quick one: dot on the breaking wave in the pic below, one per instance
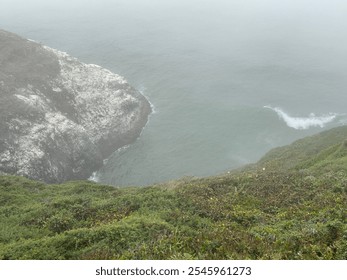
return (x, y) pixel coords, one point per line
(94, 177)
(303, 123)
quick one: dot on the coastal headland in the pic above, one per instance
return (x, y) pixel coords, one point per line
(59, 117)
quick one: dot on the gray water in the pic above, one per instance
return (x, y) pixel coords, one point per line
(208, 68)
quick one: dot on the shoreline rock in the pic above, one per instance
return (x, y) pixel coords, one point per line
(60, 117)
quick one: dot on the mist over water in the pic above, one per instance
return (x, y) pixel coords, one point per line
(208, 68)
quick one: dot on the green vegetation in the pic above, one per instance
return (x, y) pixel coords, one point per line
(294, 209)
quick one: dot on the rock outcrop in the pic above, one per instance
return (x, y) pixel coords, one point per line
(59, 118)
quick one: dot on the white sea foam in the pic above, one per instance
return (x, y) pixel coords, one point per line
(142, 89)
(303, 122)
(94, 177)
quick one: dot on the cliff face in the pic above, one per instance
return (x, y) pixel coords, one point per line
(59, 118)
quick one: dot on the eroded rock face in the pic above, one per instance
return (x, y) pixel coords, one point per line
(59, 118)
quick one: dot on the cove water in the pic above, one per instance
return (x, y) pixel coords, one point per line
(228, 79)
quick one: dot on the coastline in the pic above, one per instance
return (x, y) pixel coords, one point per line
(75, 115)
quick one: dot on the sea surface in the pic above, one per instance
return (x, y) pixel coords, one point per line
(228, 79)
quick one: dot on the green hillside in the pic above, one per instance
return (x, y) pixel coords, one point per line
(290, 205)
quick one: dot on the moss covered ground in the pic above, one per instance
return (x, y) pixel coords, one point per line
(292, 204)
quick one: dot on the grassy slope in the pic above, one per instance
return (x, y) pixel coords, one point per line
(295, 209)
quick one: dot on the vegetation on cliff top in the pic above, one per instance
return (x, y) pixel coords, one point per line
(290, 205)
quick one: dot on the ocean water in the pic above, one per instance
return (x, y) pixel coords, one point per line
(228, 79)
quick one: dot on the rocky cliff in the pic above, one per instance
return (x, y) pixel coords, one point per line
(59, 118)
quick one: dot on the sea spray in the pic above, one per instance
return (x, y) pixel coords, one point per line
(303, 122)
